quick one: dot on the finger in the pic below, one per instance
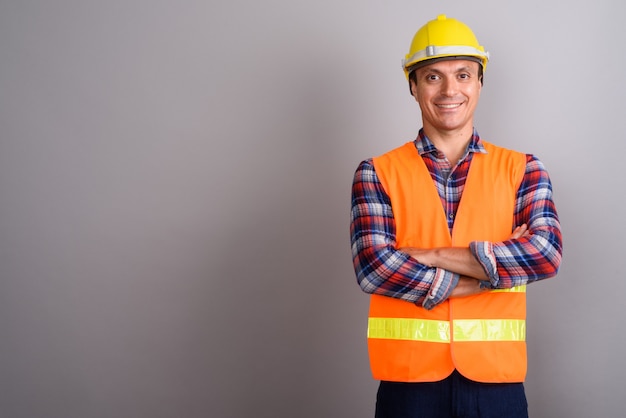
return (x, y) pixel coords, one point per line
(525, 232)
(519, 232)
(516, 233)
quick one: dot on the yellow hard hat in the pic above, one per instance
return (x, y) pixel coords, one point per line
(441, 38)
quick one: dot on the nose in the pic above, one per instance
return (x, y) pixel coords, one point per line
(449, 87)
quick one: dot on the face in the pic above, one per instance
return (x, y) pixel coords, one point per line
(447, 92)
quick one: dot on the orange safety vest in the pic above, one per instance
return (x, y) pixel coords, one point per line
(483, 336)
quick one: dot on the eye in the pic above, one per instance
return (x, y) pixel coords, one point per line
(432, 77)
(464, 76)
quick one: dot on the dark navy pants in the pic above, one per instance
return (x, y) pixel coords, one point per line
(453, 397)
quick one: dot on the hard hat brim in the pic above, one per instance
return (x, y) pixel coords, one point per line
(430, 61)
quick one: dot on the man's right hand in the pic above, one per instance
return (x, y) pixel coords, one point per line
(520, 232)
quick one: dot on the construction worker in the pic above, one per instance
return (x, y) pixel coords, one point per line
(447, 230)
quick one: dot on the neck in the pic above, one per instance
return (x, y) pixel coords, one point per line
(451, 143)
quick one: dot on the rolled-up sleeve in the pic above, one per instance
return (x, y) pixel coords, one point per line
(525, 260)
(379, 266)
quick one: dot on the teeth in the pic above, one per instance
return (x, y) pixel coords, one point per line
(449, 106)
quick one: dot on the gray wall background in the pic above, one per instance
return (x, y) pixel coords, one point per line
(174, 198)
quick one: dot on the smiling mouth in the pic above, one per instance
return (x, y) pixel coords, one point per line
(449, 106)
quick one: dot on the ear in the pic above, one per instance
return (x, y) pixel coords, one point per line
(413, 87)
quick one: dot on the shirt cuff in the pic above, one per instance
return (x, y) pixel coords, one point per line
(443, 283)
(483, 251)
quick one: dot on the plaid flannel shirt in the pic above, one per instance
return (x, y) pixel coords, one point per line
(382, 269)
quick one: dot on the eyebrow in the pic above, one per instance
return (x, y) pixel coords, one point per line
(463, 68)
(457, 70)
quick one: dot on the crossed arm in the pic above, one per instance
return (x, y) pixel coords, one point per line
(405, 273)
(461, 261)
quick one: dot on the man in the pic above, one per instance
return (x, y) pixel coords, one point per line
(447, 231)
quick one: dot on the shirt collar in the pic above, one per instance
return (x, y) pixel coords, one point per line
(425, 146)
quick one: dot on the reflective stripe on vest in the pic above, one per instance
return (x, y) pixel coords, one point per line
(516, 289)
(439, 331)
(464, 330)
